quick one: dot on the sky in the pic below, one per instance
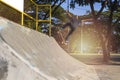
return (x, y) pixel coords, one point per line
(80, 10)
(77, 10)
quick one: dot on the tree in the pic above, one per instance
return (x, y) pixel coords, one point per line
(44, 12)
(55, 5)
(105, 30)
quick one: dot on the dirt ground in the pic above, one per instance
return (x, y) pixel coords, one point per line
(109, 71)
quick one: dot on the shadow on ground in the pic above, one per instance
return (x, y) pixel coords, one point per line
(3, 69)
(97, 59)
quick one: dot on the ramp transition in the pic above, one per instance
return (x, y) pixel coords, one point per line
(26, 54)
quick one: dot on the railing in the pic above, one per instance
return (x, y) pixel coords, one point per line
(27, 17)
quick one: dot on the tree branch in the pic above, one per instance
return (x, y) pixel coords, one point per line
(57, 7)
(118, 19)
(101, 9)
(54, 3)
(92, 8)
(46, 15)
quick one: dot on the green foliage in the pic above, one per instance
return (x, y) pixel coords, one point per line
(60, 14)
(105, 22)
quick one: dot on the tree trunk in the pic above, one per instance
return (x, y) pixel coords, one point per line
(106, 50)
(105, 42)
(106, 56)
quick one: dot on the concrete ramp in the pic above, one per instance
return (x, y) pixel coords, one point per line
(30, 55)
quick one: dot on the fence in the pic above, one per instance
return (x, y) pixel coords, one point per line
(30, 17)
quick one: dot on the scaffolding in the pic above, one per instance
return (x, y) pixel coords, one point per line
(36, 18)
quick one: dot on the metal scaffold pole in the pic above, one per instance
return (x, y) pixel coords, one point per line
(36, 17)
(22, 19)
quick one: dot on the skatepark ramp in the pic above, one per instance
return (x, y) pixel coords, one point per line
(26, 54)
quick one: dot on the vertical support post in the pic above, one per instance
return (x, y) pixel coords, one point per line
(50, 21)
(36, 17)
(68, 28)
(22, 19)
(81, 42)
(82, 37)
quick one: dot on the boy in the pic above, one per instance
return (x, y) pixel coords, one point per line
(72, 24)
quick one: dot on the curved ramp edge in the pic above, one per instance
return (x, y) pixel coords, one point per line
(38, 55)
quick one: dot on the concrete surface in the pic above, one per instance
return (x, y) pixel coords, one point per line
(30, 55)
(108, 72)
